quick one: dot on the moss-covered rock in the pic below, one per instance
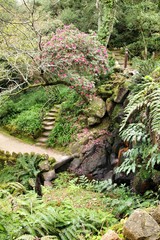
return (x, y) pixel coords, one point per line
(105, 91)
(96, 108)
(93, 120)
(120, 94)
(156, 214)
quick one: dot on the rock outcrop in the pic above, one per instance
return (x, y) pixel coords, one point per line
(140, 225)
(94, 159)
(99, 146)
(97, 107)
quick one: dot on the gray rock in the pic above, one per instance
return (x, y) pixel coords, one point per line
(94, 159)
(109, 106)
(63, 161)
(113, 159)
(75, 164)
(48, 176)
(109, 175)
(75, 148)
(140, 225)
(121, 95)
(44, 165)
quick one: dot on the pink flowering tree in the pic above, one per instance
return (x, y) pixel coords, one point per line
(73, 58)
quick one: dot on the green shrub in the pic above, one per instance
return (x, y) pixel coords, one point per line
(62, 133)
(29, 99)
(122, 201)
(11, 108)
(28, 122)
(7, 111)
(64, 129)
(145, 67)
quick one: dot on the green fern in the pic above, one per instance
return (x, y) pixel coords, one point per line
(135, 133)
(147, 97)
(28, 217)
(155, 109)
(145, 100)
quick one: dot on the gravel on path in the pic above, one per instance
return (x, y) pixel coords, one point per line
(12, 144)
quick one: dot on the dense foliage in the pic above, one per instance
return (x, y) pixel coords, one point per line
(23, 114)
(143, 132)
(137, 27)
(75, 58)
(44, 46)
(70, 211)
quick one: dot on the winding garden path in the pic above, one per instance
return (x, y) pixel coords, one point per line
(12, 144)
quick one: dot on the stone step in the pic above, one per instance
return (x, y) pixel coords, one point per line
(48, 123)
(42, 140)
(54, 110)
(48, 128)
(120, 59)
(46, 134)
(118, 56)
(52, 113)
(57, 106)
(122, 63)
(49, 119)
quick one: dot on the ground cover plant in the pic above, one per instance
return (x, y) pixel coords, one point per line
(74, 209)
(67, 124)
(45, 62)
(23, 114)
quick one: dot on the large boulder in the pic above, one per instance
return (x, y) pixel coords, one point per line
(94, 159)
(50, 175)
(140, 225)
(96, 108)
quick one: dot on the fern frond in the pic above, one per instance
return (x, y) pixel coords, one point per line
(135, 104)
(148, 94)
(155, 110)
(134, 133)
(26, 237)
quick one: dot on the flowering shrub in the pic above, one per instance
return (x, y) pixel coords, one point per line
(74, 57)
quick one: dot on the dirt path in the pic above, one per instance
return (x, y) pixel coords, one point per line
(12, 144)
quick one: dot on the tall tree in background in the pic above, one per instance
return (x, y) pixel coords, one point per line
(107, 18)
(32, 58)
(138, 26)
(82, 13)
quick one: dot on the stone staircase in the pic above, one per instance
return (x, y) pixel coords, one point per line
(119, 60)
(48, 124)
